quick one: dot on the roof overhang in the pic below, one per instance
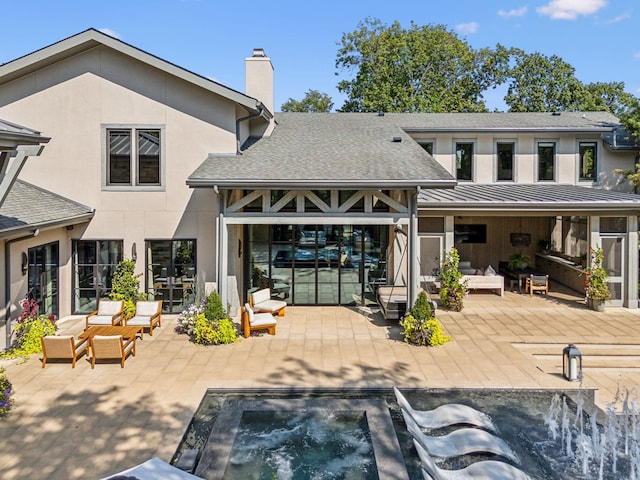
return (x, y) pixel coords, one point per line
(527, 198)
(92, 38)
(18, 231)
(255, 184)
(509, 130)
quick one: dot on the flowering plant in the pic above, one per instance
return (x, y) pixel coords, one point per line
(452, 289)
(30, 328)
(596, 283)
(186, 321)
(6, 392)
(420, 325)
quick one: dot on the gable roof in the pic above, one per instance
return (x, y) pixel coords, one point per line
(27, 207)
(92, 38)
(326, 150)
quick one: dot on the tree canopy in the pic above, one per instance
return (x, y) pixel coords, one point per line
(313, 101)
(430, 69)
(420, 69)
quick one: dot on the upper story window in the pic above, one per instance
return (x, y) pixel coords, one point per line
(505, 154)
(464, 160)
(427, 145)
(546, 161)
(134, 157)
(588, 152)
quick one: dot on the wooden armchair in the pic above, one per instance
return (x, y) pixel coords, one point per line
(109, 347)
(537, 283)
(109, 312)
(148, 314)
(63, 347)
(257, 321)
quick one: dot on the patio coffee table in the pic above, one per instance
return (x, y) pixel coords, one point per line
(126, 332)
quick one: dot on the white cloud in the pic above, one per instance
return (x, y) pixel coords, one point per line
(570, 9)
(467, 28)
(514, 12)
(619, 18)
(636, 55)
(111, 33)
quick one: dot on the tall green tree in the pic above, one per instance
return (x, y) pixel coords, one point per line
(538, 83)
(313, 101)
(419, 69)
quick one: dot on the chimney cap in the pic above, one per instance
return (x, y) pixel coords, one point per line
(259, 52)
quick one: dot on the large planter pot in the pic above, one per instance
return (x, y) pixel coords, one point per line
(597, 305)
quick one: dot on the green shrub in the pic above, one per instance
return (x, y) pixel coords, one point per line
(214, 333)
(125, 285)
(6, 394)
(423, 331)
(28, 334)
(421, 327)
(213, 307)
(422, 308)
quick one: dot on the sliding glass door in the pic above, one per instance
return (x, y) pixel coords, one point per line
(316, 264)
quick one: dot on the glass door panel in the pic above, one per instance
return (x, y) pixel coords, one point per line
(42, 278)
(613, 249)
(304, 263)
(171, 273)
(95, 262)
(329, 264)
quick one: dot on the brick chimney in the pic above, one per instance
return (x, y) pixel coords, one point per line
(259, 78)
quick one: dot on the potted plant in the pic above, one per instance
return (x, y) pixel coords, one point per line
(452, 290)
(421, 326)
(519, 261)
(597, 281)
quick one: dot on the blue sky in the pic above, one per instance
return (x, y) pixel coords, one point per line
(599, 38)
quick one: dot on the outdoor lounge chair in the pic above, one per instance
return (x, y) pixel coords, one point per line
(445, 415)
(109, 312)
(148, 314)
(459, 442)
(108, 347)
(261, 302)
(153, 469)
(537, 283)
(484, 469)
(62, 346)
(257, 321)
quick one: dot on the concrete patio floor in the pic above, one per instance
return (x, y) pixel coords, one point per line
(89, 423)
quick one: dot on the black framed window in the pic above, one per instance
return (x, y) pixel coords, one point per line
(506, 152)
(133, 157)
(464, 160)
(94, 262)
(546, 161)
(588, 152)
(427, 146)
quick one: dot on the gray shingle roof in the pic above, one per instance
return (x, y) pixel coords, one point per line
(28, 207)
(522, 197)
(357, 149)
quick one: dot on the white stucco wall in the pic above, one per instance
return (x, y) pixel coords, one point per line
(70, 102)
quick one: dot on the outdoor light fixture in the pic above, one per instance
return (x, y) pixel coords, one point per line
(25, 263)
(572, 363)
(134, 252)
